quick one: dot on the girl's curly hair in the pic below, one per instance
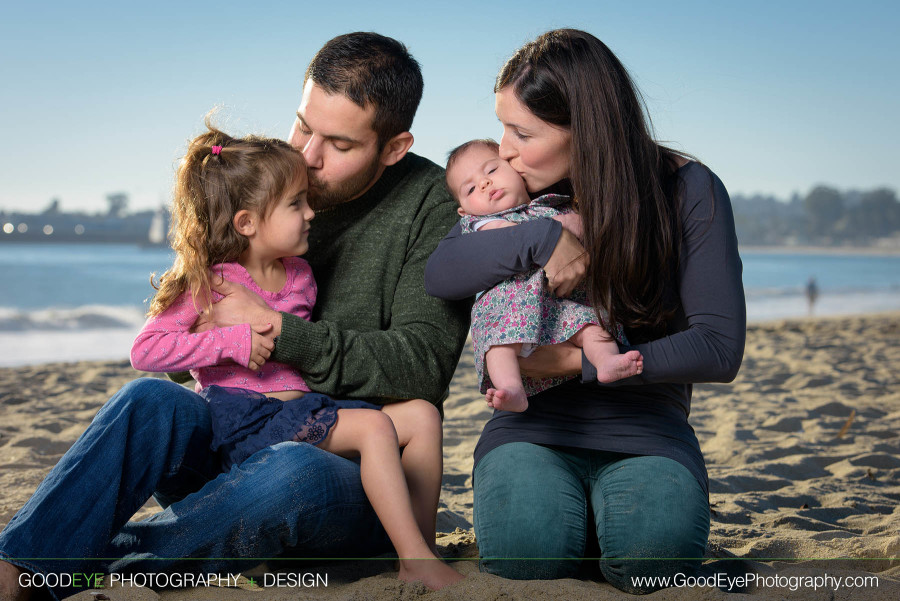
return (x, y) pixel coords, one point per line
(249, 173)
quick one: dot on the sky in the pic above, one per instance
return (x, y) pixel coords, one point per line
(775, 97)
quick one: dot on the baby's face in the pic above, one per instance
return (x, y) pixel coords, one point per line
(484, 183)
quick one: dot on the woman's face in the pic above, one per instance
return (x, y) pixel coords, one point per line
(539, 151)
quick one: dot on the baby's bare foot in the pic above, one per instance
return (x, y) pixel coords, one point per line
(618, 367)
(433, 573)
(507, 399)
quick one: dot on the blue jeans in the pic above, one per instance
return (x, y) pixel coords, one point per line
(534, 506)
(152, 438)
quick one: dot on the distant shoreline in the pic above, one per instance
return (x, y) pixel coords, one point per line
(871, 251)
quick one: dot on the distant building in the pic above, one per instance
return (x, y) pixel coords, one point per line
(58, 226)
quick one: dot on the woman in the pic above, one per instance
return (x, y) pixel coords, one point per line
(615, 464)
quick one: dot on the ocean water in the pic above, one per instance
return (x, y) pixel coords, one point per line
(73, 302)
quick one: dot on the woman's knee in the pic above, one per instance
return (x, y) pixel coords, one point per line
(652, 520)
(525, 528)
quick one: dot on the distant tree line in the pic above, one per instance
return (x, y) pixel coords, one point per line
(825, 216)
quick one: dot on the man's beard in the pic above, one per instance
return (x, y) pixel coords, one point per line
(326, 196)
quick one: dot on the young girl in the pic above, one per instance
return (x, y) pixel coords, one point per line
(517, 315)
(240, 213)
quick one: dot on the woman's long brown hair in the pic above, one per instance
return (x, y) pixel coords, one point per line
(624, 182)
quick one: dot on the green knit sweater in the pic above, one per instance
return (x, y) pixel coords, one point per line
(375, 333)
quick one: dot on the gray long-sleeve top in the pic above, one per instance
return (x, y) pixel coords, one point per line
(646, 414)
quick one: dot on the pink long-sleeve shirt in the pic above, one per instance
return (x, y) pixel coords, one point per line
(220, 356)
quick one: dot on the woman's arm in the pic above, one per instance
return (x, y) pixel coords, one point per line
(461, 267)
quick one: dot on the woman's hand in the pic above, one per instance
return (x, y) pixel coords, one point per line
(572, 222)
(567, 265)
(238, 306)
(552, 361)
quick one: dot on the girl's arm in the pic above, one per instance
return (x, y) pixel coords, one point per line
(711, 348)
(461, 267)
(165, 344)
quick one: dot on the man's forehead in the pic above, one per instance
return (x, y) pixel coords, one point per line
(335, 115)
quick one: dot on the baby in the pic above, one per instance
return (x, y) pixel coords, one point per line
(514, 317)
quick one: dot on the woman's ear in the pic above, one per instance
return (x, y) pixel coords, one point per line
(396, 148)
(244, 222)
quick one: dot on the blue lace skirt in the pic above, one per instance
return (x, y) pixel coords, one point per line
(245, 421)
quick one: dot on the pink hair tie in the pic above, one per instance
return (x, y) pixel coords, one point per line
(217, 150)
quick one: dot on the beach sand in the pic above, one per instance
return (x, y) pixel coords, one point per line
(803, 451)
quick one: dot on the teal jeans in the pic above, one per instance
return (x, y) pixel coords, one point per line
(537, 506)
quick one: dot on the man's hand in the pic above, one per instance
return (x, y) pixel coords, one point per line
(238, 306)
(567, 265)
(262, 343)
(552, 361)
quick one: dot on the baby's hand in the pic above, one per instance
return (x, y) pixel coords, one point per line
(261, 346)
(572, 222)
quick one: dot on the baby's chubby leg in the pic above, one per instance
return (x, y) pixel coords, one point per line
(603, 353)
(502, 364)
(370, 434)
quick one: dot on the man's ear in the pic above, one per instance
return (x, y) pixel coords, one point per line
(396, 148)
(244, 222)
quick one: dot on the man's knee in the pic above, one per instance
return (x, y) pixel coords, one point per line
(313, 478)
(299, 493)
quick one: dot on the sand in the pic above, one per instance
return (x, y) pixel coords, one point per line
(803, 452)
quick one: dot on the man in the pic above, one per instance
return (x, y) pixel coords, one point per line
(375, 335)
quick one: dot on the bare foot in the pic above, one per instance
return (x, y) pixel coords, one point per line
(507, 399)
(617, 367)
(9, 583)
(433, 573)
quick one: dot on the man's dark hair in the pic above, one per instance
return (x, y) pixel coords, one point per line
(369, 68)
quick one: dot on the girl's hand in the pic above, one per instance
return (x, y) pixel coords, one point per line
(261, 345)
(567, 265)
(552, 361)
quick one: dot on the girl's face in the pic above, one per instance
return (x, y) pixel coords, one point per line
(285, 230)
(539, 151)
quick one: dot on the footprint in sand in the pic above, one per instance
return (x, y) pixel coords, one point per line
(44, 446)
(784, 424)
(877, 460)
